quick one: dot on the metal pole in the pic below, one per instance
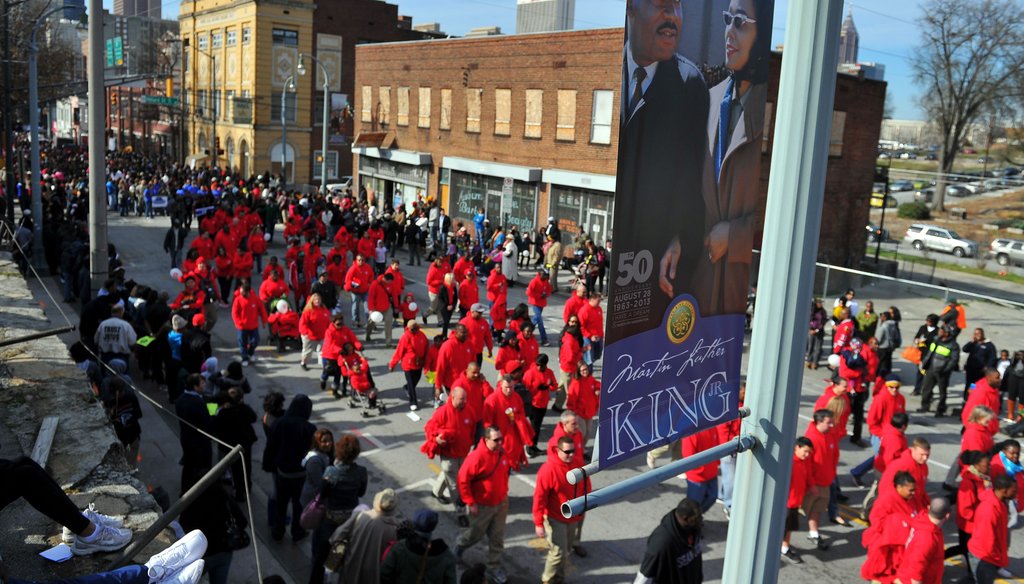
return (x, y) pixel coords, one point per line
(9, 144)
(323, 133)
(881, 222)
(284, 130)
(216, 105)
(34, 336)
(792, 222)
(580, 505)
(208, 480)
(98, 261)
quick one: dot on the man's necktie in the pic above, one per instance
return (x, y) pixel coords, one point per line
(638, 90)
(724, 111)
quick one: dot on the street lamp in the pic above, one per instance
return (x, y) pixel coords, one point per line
(213, 88)
(33, 120)
(289, 85)
(323, 130)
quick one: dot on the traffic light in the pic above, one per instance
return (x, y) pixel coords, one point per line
(113, 99)
(216, 144)
(319, 158)
(169, 92)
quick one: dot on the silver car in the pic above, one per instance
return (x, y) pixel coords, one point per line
(922, 236)
(1008, 251)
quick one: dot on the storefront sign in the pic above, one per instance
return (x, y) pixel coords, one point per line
(686, 206)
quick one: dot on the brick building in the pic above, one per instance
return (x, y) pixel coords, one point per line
(526, 126)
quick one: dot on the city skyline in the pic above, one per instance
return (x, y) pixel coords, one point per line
(882, 27)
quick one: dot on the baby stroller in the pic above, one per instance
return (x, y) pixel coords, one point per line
(284, 327)
(364, 391)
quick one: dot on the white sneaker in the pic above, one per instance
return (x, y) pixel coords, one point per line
(181, 554)
(190, 574)
(68, 536)
(651, 460)
(109, 539)
(414, 407)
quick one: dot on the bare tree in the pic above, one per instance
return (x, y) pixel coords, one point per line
(966, 63)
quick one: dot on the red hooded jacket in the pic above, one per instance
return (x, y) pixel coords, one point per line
(483, 478)
(456, 428)
(923, 555)
(883, 406)
(583, 396)
(247, 311)
(452, 360)
(411, 351)
(989, 541)
(700, 442)
(552, 489)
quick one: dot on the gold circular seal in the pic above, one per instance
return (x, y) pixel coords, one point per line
(681, 320)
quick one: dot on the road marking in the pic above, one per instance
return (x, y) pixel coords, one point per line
(369, 438)
(386, 448)
(414, 486)
(434, 468)
(522, 478)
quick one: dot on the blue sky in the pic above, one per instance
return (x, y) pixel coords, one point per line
(888, 30)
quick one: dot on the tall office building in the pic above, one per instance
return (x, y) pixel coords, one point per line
(544, 15)
(849, 41)
(144, 8)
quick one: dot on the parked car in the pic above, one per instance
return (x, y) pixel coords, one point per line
(898, 186)
(975, 187)
(923, 184)
(344, 184)
(1007, 251)
(931, 156)
(969, 150)
(924, 195)
(921, 236)
(876, 233)
(908, 156)
(957, 191)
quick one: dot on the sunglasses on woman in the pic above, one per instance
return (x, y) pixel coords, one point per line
(737, 20)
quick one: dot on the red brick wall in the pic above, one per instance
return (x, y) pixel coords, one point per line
(586, 61)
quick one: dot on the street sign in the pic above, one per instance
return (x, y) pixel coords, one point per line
(159, 100)
(110, 52)
(118, 51)
(506, 198)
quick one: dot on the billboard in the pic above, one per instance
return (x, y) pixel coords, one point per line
(687, 206)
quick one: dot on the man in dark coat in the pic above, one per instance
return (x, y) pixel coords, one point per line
(674, 548)
(289, 440)
(659, 222)
(196, 448)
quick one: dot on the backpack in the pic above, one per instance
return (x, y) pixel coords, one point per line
(897, 337)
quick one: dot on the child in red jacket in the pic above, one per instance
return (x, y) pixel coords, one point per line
(799, 484)
(284, 325)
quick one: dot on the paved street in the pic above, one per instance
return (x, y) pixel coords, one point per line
(614, 536)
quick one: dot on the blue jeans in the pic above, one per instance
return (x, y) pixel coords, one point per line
(538, 322)
(866, 466)
(833, 499)
(126, 575)
(149, 208)
(175, 258)
(727, 470)
(592, 350)
(247, 342)
(358, 307)
(703, 493)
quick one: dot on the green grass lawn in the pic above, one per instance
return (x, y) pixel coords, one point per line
(1009, 277)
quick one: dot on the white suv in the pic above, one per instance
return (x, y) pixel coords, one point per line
(1008, 251)
(940, 239)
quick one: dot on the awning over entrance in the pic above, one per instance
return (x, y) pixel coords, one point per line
(580, 180)
(373, 140)
(402, 156)
(496, 169)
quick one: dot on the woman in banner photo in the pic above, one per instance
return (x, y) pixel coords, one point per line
(732, 168)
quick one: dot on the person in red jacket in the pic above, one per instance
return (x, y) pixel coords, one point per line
(570, 354)
(497, 299)
(922, 559)
(224, 270)
(336, 271)
(243, 262)
(383, 298)
(891, 447)
(887, 402)
(395, 269)
(977, 436)
(576, 301)
(449, 436)
(469, 293)
(313, 325)
(985, 393)
(284, 325)
(452, 358)
(479, 332)
(799, 485)
(336, 337)
(477, 388)
(540, 381)
(551, 490)
(989, 544)
(583, 397)
(412, 354)
(974, 481)
(357, 283)
(836, 394)
(529, 348)
(248, 312)
(258, 246)
(483, 486)
(1007, 462)
(273, 289)
(702, 482)
(508, 352)
(273, 265)
(537, 293)
(843, 333)
(463, 266)
(885, 539)
(913, 460)
(435, 277)
(824, 464)
(592, 326)
(504, 410)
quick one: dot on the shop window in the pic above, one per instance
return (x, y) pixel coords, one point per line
(565, 126)
(403, 106)
(283, 36)
(218, 40)
(473, 97)
(835, 145)
(203, 41)
(601, 117)
(289, 108)
(424, 105)
(332, 164)
(502, 112)
(367, 109)
(446, 109)
(384, 101)
(232, 37)
(534, 113)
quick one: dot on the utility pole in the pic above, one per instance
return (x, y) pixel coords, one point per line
(98, 261)
(9, 144)
(288, 84)
(792, 221)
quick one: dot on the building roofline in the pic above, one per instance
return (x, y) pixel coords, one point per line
(500, 37)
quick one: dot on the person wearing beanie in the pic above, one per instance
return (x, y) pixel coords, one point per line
(368, 535)
(419, 558)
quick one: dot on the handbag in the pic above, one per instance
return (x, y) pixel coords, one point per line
(912, 354)
(235, 535)
(313, 514)
(335, 560)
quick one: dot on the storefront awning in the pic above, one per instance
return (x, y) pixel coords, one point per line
(196, 158)
(402, 156)
(497, 169)
(374, 140)
(580, 180)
